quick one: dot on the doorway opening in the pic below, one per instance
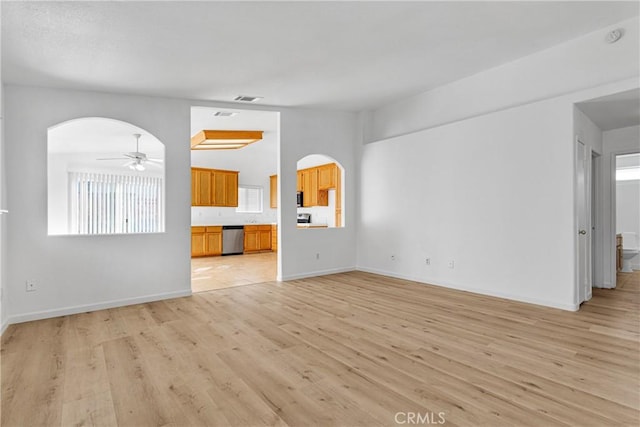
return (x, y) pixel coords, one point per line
(234, 225)
(610, 127)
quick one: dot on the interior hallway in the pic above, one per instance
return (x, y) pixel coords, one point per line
(219, 272)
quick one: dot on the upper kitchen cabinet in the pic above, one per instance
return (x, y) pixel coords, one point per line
(214, 187)
(312, 194)
(327, 176)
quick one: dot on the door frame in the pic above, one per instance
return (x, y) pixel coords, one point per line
(588, 207)
(611, 250)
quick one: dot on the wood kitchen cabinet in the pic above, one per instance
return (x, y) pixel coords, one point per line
(327, 176)
(311, 194)
(206, 241)
(214, 187)
(299, 181)
(257, 238)
(201, 194)
(273, 191)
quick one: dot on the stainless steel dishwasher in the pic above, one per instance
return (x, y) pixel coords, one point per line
(232, 239)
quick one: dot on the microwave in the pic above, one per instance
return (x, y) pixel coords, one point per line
(300, 199)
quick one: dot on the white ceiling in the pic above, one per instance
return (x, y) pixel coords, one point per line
(619, 110)
(342, 55)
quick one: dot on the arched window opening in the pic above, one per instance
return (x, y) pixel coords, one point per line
(104, 176)
(320, 192)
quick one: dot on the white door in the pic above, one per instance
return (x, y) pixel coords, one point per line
(583, 219)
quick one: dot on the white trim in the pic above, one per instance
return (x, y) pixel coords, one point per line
(528, 300)
(47, 314)
(317, 273)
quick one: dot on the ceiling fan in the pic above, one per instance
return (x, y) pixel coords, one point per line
(137, 160)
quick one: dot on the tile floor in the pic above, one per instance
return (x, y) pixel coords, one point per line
(209, 273)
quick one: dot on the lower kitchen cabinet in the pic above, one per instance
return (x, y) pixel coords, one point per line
(206, 241)
(257, 238)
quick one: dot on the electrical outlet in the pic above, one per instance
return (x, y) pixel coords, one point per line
(30, 286)
(427, 261)
(393, 257)
(451, 264)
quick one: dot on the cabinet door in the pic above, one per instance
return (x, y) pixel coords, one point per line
(194, 188)
(203, 188)
(265, 240)
(299, 182)
(198, 245)
(219, 188)
(214, 243)
(231, 189)
(251, 241)
(326, 176)
(273, 191)
(310, 187)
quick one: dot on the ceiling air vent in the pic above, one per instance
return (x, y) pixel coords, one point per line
(244, 98)
(224, 114)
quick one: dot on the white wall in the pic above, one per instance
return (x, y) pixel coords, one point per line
(79, 273)
(492, 193)
(76, 273)
(3, 204)
(334, 134)
(256, 163)
(578, 64)
(617, 141)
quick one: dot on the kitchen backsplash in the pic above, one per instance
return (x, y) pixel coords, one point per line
(228, 216)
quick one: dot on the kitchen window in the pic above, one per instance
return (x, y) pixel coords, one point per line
(249, 199)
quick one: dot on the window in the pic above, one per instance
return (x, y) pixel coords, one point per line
(249, 199)
(106, 203)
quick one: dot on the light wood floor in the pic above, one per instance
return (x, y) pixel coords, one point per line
(348, 349)
(219, 272)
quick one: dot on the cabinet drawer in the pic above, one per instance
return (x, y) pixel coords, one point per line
(250, 228)
(198, 229)
(214, 229)
(264, 227)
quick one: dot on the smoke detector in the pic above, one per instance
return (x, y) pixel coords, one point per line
(614, 36)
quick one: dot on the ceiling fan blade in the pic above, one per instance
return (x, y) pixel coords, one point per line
(157, 161)
(113, 158)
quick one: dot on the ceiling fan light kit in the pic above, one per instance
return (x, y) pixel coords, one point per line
(224, 139)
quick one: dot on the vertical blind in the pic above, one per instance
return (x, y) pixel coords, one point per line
(249, 199)
(103, 203)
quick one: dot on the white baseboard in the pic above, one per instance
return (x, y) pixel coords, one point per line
(317, 273)
(528, 300)
(47, 314)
